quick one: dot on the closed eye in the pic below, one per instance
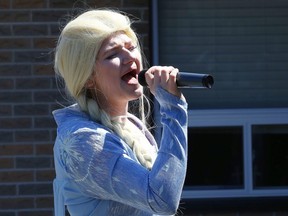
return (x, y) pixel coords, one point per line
(111, 56)
(114, 52)
(132, 48)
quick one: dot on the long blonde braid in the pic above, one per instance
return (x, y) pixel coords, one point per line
(133, 136)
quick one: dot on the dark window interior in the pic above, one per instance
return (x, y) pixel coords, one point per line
(215, 158)
(270, 156)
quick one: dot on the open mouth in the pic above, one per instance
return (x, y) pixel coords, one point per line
(130, 77)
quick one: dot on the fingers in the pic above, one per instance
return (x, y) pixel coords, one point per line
(158, 74)
(164, 77)
(173, 76)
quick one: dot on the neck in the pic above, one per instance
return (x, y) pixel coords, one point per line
(112, 108)
(115, 109)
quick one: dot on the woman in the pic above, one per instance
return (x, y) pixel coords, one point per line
(106, 161)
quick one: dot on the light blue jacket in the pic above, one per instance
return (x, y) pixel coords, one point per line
(97, 173)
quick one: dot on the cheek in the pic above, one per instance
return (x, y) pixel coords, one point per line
(102, 81)
(105, 71)
(102, 86)
(106, 80)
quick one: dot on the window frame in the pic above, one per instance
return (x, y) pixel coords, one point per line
(245, 118)
(225, 117)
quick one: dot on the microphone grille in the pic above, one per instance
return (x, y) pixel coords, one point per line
(141, 78)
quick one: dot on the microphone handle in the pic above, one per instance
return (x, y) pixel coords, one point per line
(194, 80)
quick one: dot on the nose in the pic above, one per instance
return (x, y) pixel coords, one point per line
(129, 56)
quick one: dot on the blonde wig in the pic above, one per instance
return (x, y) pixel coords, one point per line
(76, 52)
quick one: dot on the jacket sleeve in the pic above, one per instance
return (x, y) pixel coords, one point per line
(100, 165)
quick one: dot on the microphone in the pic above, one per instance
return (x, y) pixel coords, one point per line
(185, 80)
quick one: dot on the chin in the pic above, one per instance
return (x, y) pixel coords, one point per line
(139, 90)
(137, 93)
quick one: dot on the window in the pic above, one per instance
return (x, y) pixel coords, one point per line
(215, 158)
(237, 153)
(243, 44)
(238, 130)
(270, 156)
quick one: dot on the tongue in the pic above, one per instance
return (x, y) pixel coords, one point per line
(130, 79)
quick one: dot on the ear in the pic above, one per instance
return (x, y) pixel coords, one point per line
(90, 84)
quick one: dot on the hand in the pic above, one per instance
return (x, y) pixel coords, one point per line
(164, 77)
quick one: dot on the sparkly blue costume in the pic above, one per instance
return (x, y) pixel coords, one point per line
(97, 173)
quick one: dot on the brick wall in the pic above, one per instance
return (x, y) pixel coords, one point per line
(28, 94)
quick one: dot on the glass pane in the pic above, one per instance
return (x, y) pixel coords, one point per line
(215, 158)
(270, 156)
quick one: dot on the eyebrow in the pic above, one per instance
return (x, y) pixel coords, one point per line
(114, 47)
(110, 50)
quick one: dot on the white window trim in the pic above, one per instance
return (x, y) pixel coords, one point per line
(244, 118)
(226, 117)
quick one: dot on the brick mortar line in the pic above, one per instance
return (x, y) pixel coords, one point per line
(34, 155)
(32, 102)
(38, 210)
(28, 169)
(29, 22)
(21, 117)
(34, 142)
(35, 9)
(71, 10)
(25, 156)
(35, 129)
(37, 23)
(32, 116)
(44, 51)
(31, 90)
(52, 76)
(27, 64)
(25, 209)
(45, 36)
(35, 182)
